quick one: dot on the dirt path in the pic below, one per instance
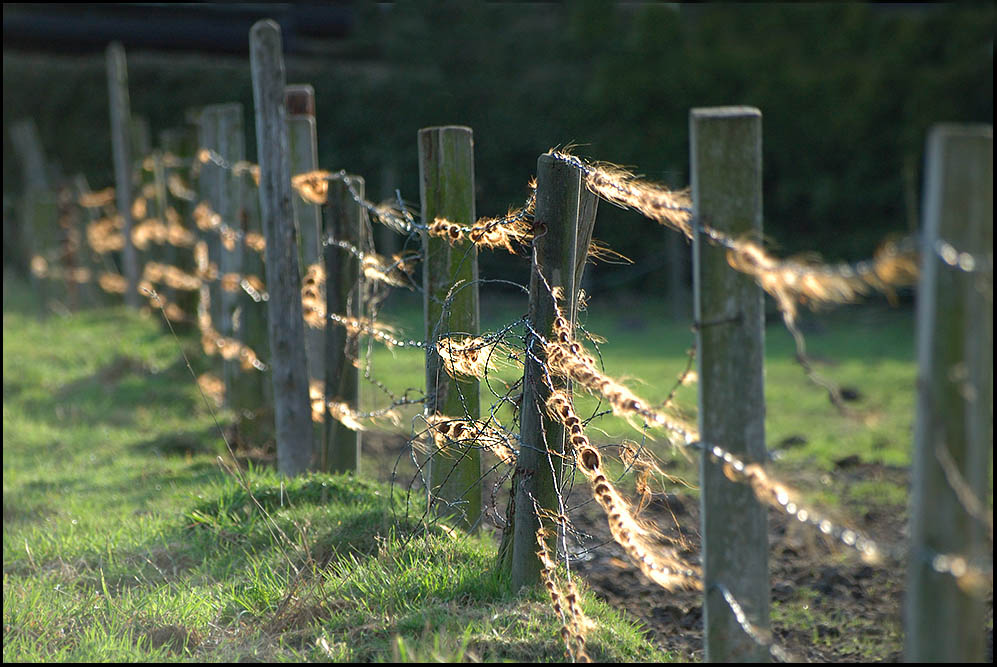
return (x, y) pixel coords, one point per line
(827, 605)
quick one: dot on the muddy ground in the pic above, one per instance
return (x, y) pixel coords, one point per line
(827, 604)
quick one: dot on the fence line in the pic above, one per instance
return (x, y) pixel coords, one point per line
(574, 362)
(117, 80)
(953, 564)
(577, 366)
(552, 438)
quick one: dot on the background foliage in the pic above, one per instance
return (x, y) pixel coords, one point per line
(847, 92)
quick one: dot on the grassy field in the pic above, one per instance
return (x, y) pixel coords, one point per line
(125, 539)
(867, 350)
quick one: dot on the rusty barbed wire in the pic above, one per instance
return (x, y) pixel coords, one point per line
(566, 604)
(470, 355)
(396, 272)
(972, 579)
(791, 282)
(382, 333)
(761, 637)
(662, 564)
(448, 431)
(571, 360)
(167, 159)
(567, 357)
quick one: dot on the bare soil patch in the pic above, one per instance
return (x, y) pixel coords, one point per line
(827, 604)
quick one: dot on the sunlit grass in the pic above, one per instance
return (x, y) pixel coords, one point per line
(866, 349)
(125, 540)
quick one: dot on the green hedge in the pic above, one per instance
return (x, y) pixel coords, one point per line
(847, 91)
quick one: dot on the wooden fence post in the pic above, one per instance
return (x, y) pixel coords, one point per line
(252, 395)
(446, 189)
(168, 252)
(726, 168)
(565, 216)
(149, 202)
(140, 137)
(954, 432)
(28, 146)
(117, 83)
(292, 407)
(98, 262)
(87, 257)
(343, 294)
(231, 146)
(180, 143)
(208, 186)
(677, 258)
(38, 207)
(303, 146)
(386, 239)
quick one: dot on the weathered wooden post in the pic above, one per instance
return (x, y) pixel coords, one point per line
(38, 205)
(117, 83)
(168, 252)
(231, 146)
(292, 407)
(28, 146)
(450, 274)
(140, 137)
(303, 146)
(565, 216)
(87, 257)
(954, 432)
(726, 166)
(252, 395)
(677, 260)
(343, 295)
(179, 145)
(208, 187)
(150, 202)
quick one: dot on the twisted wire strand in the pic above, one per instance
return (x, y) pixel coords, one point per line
(791, 282)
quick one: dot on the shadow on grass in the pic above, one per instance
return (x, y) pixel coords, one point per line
(307, 522)
(183, 444)
(19, 509)
(116, 391)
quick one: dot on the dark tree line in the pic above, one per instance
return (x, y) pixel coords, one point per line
(847, 92)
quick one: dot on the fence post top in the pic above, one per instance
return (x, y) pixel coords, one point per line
(442, 129)
(300, 99)
(725, 112)
(981, 130)
(264, 26)
(548, 161)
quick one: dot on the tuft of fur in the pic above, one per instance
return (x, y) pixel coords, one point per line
(662, 564)
(447, 431)
(468, 355)
(574, 623)
(312, 186)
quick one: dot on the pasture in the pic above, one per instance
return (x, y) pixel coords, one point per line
(318, 430)
(126, 539)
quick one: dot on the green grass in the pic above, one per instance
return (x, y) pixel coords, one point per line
(125, 540)
(868, 349)
(824, 626)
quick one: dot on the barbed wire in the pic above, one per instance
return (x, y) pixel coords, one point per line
(560, 354)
